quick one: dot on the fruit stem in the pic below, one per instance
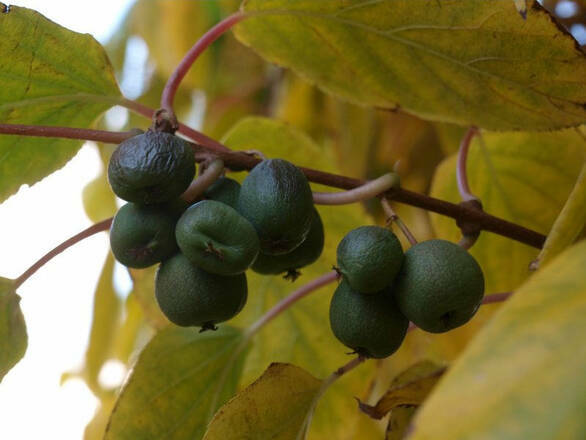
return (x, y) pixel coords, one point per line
(461, 173)
(364, 192)
(349, 366)
(203, 181)
(288, 301)
(496, 297)
(104, 225)
(109, 137)
(196, 136)
(393, 217)
(196, 50)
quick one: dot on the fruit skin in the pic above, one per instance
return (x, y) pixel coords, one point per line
(276, 198)
(303, 255)
(371, 325)
(190, 296)
(224, 190)
(142, 235)
(440, 286)
(370, 258)
(216, 238)
(152, 167)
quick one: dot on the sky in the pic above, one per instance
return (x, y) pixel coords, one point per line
(57, 301)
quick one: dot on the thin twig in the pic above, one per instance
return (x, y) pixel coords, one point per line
(367, 191)
(393, 217)
(109, 137)
(203, 181)
(94, 229)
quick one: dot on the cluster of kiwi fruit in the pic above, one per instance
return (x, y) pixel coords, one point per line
(436, 284)
(268, 224)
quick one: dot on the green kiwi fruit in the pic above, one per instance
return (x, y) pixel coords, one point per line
(224, 190)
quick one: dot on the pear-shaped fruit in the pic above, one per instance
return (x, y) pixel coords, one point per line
(370, 257)
(152, 167)
(371, 325)
(190, 296)
(440, 286)
(213, 236)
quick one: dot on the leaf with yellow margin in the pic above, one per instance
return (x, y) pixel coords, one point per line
(273, 407)
(522, 377)
(472, 62)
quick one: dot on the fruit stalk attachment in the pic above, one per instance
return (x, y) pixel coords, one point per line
(393, 217)
(210, 174)
(364, 192)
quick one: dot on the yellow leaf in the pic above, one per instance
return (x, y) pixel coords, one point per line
(522, 377)
(13, 336)
(399, 422)
(468, 62)
(273, 407)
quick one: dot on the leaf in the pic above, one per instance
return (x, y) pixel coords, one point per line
(274, 406)
(302, 335)
(143, 290)
(569, 223)
(523, 375)
(179, 381)
(522, 177)
(409, 388)
(50, 76)
(475, 62)
(399, 422)
(13, 337)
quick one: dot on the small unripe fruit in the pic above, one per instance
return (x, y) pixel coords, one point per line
(370, 257)
(224, 190)
(213, 236)
(190, 296)
(440, 286)
(153, 167)
(142, 235)
(303, 255)
(276, 198)
(371, 325)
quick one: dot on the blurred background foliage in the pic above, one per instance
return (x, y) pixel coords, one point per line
(230, 82)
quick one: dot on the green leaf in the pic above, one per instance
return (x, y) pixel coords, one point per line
(50, 76)
(13, 337)
(302, 335)
(568, 224)
(522, 177)
(273, 407)
(474, 62)
(411, 387)
(523, 376)
(179, 381)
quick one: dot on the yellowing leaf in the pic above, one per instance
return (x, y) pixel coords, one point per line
(569, 223)
(399, 422)
(409, 388)
(302, 334)
(13, 337)
(522, 177)
(273, 407)
(50, 76)
(468, 62)
(179, 381)
(522, 377)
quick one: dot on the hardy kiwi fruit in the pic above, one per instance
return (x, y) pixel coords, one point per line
(440, 286)
(152, 167)
(213, 236)
(190, 296)
(224, 190)
(371, 325)
(369, 258)
(142, 235)
(276, 198)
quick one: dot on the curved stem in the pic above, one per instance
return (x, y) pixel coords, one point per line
(467, 241)
(461, 173)
(104, 225)
(202, 44)
(109, 137)
(393, 217)
(196, 136)
(288, 301)
(349, 366)
(496, 297)
(364, 192)
(203, 181)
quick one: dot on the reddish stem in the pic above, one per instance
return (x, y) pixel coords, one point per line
(104, 225)
(461, 173)
(496, 297)
(109, 137)
(202, 44)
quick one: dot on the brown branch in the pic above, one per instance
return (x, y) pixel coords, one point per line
(109, 137)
